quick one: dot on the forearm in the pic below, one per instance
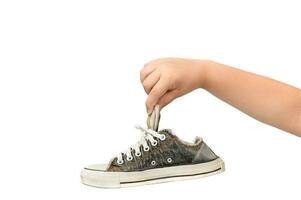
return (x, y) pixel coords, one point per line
(266, 100)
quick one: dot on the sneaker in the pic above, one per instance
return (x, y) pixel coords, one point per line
(157, 157)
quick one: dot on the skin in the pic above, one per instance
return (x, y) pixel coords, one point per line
(267, 100)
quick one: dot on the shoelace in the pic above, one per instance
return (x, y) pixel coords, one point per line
(147, 135)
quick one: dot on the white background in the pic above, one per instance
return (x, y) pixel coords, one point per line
(70, 93)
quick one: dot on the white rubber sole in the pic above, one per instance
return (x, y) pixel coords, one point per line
(101, 178)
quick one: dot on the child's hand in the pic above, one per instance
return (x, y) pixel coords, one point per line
(168, 78)
(265, 99)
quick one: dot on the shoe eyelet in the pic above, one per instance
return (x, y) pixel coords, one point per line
(153, 163)
(120, 162)
(129, 158)
(154, 143)
(138, 154)
(163, 137)
(169, 160)
(146, 148)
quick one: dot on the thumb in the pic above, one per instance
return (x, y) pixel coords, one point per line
(167, 98)
(155, 94)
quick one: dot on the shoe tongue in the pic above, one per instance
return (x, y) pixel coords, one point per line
(153, 119)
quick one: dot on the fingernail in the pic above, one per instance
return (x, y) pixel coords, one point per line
(149, 111)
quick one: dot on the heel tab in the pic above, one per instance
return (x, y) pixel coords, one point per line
(204, 154)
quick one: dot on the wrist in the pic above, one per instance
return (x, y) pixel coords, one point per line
(204, 67)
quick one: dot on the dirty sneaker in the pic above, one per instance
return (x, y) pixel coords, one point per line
(157, 157)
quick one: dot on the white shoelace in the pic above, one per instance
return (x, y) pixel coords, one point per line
(148, 135)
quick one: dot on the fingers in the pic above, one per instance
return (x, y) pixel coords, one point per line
(146, 71)
(155, 94)
(167, 98)
(151, 81)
